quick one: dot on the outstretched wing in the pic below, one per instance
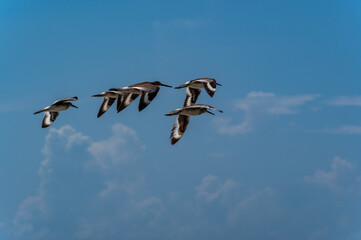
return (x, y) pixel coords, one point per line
(49, 118)
(179, 127)
(147, 98)
(192, 95)
(107, 103)
(125, 99)
(210, 87)
(61, 101)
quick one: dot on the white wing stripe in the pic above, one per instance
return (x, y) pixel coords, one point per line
(210, 87)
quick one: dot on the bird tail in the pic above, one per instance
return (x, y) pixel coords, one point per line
(174, 112)
(39, 111)
(181, 86)
(97, 95)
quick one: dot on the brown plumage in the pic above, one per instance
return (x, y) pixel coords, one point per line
(147, 90)
(181, 123)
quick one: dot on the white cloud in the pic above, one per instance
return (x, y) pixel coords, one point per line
(348, 129)
(345, 101)
(30, 208)
(257, 106)
(34, 206)
(119, 149)
(63, 163)
(236, 211)
(332, 179)
(212, 189)
(67, 133)
(271, 104)
(225, 127)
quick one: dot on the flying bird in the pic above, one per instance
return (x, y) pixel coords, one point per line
(181, 123)
(194, 89)
(109, 98)
(147, 90)
(52, 111)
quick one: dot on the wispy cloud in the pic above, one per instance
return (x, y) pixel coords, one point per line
(345, 101)
(245, 203)
(212, 189)
(346, 129)
(333, 179)
(258, 106)
(119, 149)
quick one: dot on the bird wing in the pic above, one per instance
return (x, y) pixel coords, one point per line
(192, 95)
(107, 102)
(147, 98)
(61, 101)
(125, 99)
(210, 87)
(49, 118)
(179, 127)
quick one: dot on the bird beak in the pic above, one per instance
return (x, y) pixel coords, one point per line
(218, 84)
(165, 85)
(210, 112)
(73, 106)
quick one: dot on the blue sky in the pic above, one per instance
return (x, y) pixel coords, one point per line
(281, 162)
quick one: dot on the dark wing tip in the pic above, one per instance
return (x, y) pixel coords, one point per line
(174, 140)
(141, 107)
(100, 113)
(76, 98)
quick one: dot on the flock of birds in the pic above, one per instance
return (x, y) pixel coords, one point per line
(148, 91)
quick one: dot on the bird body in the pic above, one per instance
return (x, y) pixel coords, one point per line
(52, 112)
(109, 98)
(184, 113)
(194, 89)
(196, 83)
(193, 110)
(147, 90)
